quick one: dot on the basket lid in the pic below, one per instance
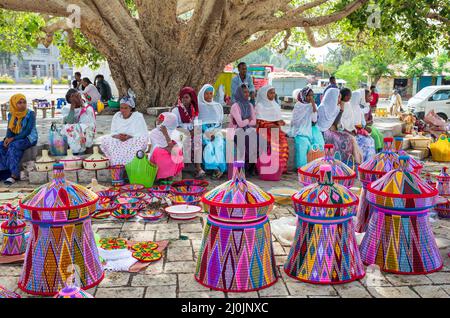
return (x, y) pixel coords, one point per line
(326, 193)
(13, 221)
(402, 183)
(58, 195)
(238, 192)
(339, 170)
(383, 162)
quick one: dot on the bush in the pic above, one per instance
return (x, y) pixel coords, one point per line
(6, 79)
(37, 81)
(64, 81)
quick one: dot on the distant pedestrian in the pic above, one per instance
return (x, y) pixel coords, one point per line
(103, 87)
(76, 83)
(242, 78)
(332, 84)
(374, 98)
(396, 103)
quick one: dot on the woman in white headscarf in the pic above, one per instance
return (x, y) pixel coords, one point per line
(268, 116)
(166, 153)
(355, 123)
(336, 122)
(129, 134)
(304, 130)
(210, 115)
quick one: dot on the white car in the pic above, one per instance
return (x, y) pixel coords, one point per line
(429, 98)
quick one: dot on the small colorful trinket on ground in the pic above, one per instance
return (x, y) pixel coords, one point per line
(144, 246)
(145, 256)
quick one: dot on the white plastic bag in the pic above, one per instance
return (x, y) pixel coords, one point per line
(284, 229)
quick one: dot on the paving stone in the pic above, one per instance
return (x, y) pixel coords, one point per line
(9, 282)
(169, 291)
(191, 228)
(86, 176)
(352, 290)
(316, 296)
(439, 278)
(180, 243)
(187, 283)
(38, 178)
(161, 226)
(194, 236)
(446, 288)
(374, 277)
(10, 270)
(278, 289)
(167, 235)
(106, 225)
(304, 289)
(201, 294)
(106, 233)
(180, 267)
(155, 269)
(243, 295)
(138, 236)
(392, 292)
(431, 291)
(133, 226)
(120, 292)
(154, 280)
(115, 279)
(179, 254)
(278, 249)
(408, 280)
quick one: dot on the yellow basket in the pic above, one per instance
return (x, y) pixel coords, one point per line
(440, 150)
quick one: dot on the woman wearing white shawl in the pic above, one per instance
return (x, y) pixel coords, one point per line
(129, 134)
(328, 109)
(166, 153)
(339, 127)
(210, 115)
(269, 117)
(356, 108)
(304, 130)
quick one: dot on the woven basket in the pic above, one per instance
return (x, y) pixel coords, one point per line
(236, 258)
(315, 153)
(420, 142)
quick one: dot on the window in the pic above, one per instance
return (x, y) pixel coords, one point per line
(441, 95)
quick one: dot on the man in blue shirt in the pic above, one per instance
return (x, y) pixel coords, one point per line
(242, 78)
(332, 84)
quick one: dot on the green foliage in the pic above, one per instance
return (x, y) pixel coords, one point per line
(353, 73)
(426, 64)
(37, 81)
(6, 79)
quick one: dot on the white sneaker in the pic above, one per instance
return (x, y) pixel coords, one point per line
(10, 181)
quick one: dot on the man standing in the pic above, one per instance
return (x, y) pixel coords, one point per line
(242, 78)
(332, 84)
(374, 98)
(396, 103)
(76, 83)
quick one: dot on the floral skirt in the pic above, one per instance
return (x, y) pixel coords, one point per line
(122, 152)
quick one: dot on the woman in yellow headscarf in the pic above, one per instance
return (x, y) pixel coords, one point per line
(20, 136)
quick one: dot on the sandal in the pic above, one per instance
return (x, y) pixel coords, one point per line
(10, 181)
(217, 175)
(200, 174)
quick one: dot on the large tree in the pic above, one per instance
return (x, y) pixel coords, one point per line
(155, 47)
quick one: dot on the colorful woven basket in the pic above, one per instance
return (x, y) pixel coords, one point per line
(399, 238)
(117, 175)
(443, 207)
(238, 200)
(14, 239)
(443, 183)
(342, 174)
(236, 257)
(61, 237)
(160, 191)
(325, 234)
(416, 165)
(191, 182)
(4, 293)
(369, 171)
(189, 193)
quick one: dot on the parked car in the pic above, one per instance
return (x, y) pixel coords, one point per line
(435, 98)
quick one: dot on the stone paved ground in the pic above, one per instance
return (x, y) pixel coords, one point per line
(173, 275)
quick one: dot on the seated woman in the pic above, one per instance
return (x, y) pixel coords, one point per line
(129, 134)
(186, 113)
(329, 121)
(243, 117)
(165, 153)
(20, 136)
(211, 117)
(353, 122)
(268, 116)
(79, 122)
(90, 92)
(303, 125)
